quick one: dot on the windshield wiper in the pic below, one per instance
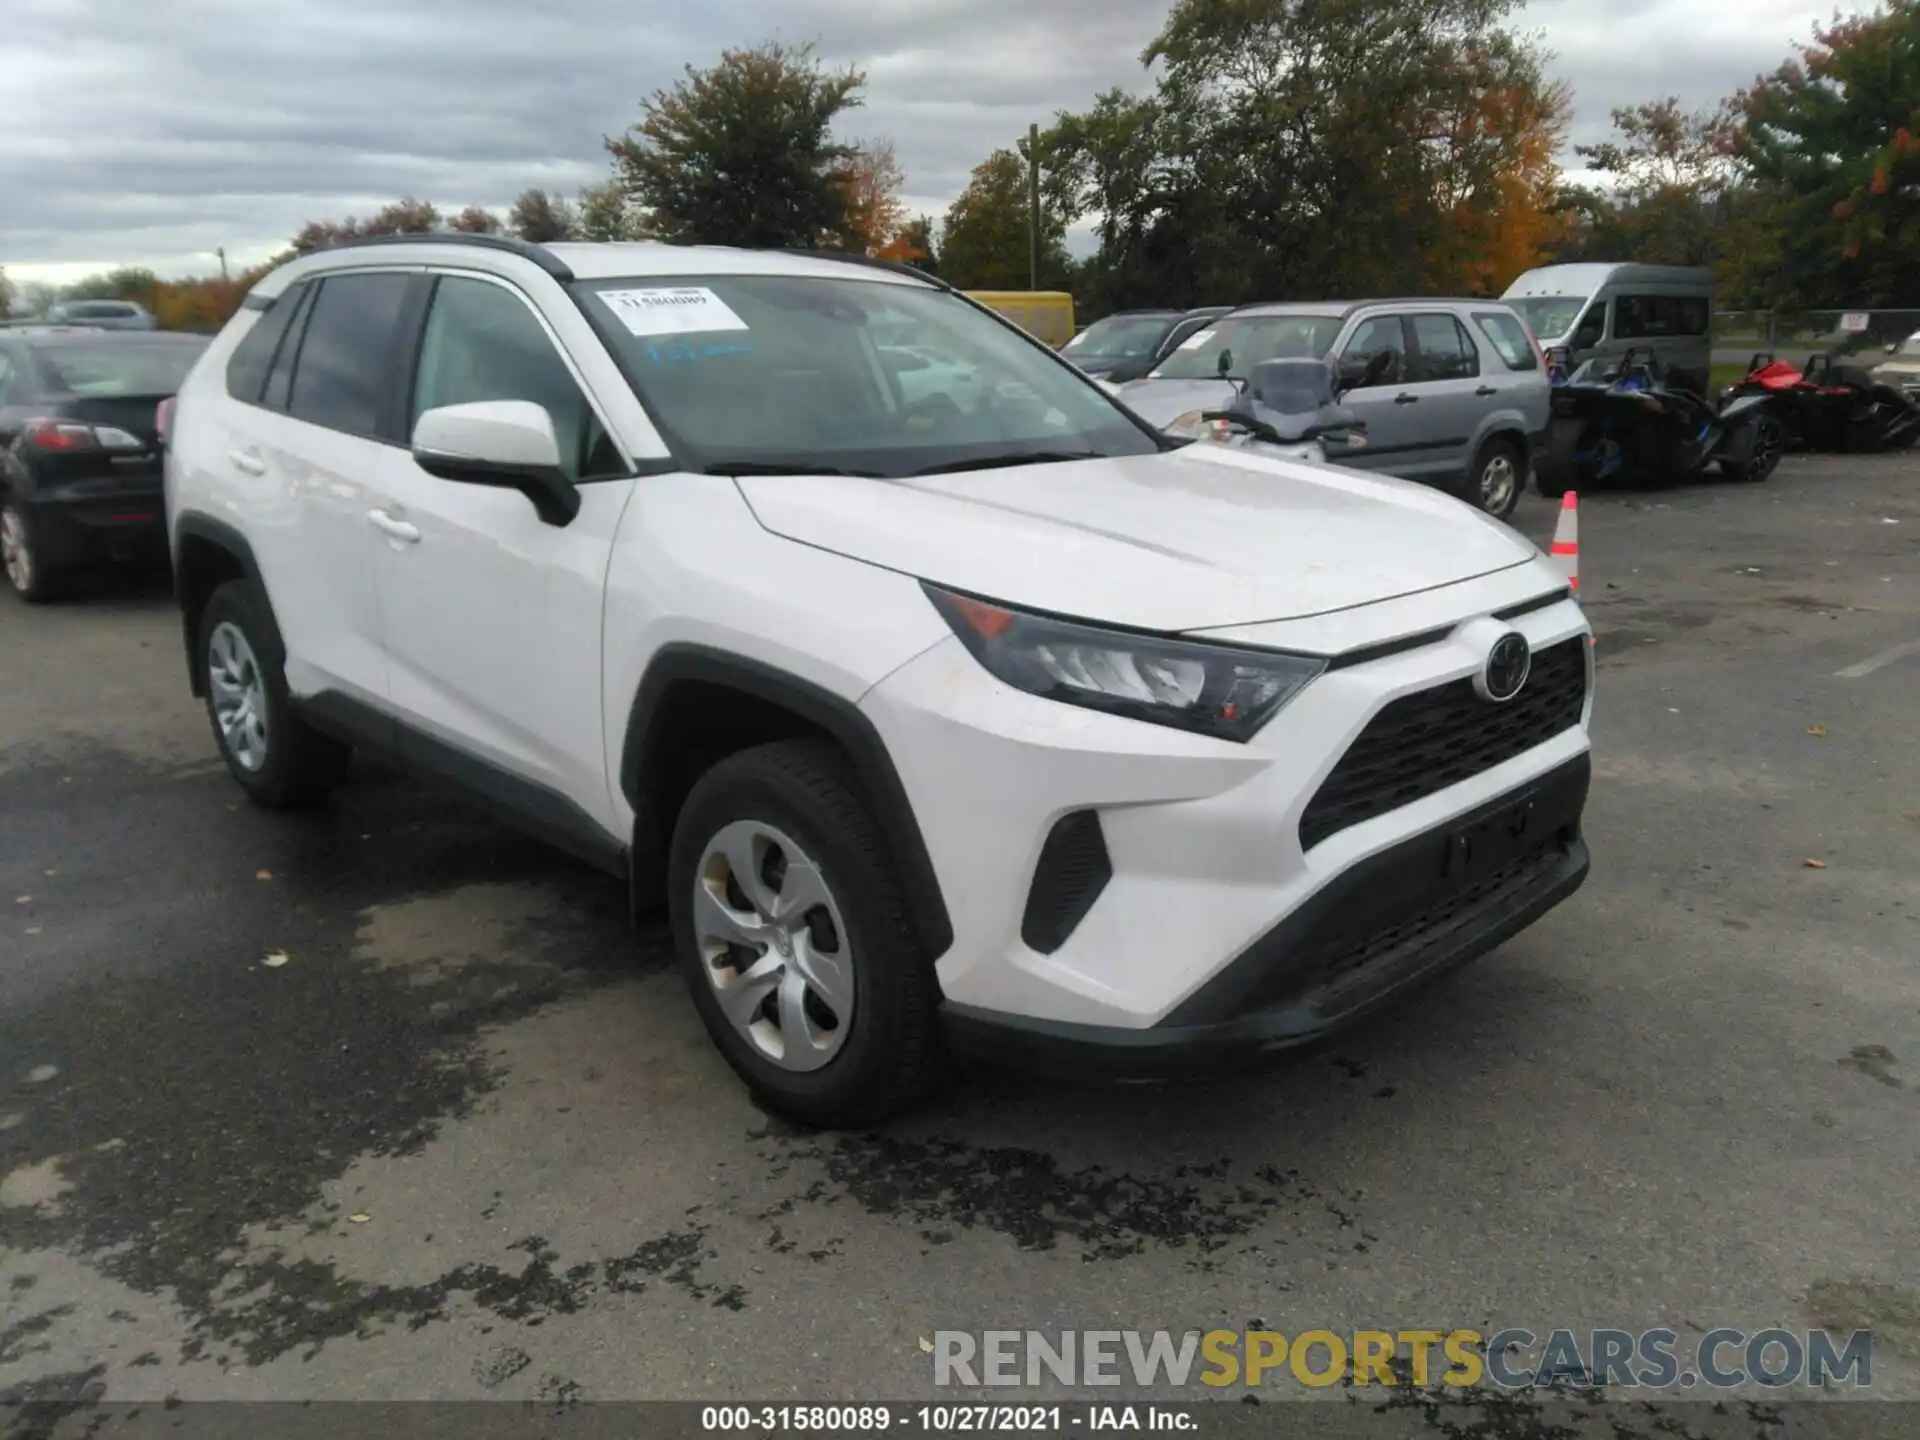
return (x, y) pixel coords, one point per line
(784, 467)
(995, 462)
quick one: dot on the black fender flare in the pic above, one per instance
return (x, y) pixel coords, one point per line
(195, 526)
(643, 754)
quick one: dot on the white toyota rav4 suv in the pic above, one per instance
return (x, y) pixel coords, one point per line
(988, 721)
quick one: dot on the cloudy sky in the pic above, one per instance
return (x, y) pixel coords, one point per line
(153, 131)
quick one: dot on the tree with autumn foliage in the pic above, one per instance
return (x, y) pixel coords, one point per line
(1669, 191)
(870, 184)
(1831, 140)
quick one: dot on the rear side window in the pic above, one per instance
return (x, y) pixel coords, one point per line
(1654, 316)
(1443, 349)
(1509, 337)
(1692, 316)
(340, 376)
(247, 366)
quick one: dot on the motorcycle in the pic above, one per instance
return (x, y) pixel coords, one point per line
(1288, 408)
(1831, 405)
(1613, 420)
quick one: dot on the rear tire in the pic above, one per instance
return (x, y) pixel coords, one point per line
(32, 579)
(792, 814)
(1498, 475)
(280, 761)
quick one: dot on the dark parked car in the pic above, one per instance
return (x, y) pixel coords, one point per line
(80, 449)
(1127, 345)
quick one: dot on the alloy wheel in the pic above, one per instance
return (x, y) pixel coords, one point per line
(1498, 481)
(239, 695)
(16, 550)
(773, 945)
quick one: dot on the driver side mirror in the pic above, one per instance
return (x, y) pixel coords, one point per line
(1890, 348)
(1225, 365)
(504, 444)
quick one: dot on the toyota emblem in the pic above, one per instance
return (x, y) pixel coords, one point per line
(1508, 664)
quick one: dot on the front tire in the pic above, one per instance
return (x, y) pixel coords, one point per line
(1764, 458)
(1499, 474)
(32, 579)
(791, 928)
(280, 761)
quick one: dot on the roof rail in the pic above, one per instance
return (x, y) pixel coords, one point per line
(851, 258)
(511, 244)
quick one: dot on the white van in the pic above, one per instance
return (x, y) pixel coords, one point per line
(1600, 309)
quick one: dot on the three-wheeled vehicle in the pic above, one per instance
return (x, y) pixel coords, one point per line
(1828, 404)
(1617, 421)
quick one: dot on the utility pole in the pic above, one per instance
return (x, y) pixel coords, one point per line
(1033, 207)
(222, 253)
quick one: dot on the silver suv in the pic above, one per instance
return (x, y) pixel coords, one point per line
(1461, 403)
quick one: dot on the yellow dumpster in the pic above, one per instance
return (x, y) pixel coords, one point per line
(1047, 315)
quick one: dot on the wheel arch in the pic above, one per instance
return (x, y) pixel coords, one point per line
(206, 554)
(695, 705)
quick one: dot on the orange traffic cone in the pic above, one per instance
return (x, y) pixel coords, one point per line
(1566, 540)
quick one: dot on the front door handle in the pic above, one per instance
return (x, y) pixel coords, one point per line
(1404, 399)
(394, 529)
(247, 461)
(1485, 390)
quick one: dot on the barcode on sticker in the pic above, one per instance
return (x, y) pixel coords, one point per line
(671, 310)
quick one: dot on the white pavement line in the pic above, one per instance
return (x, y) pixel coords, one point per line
(1875, 662)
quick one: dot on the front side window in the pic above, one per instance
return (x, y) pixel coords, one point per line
(1550, 316)
(1247, 340)
(1443, 350)
(864, 376)
(1509, 337)
(340, 374)
(482, 342)
(1380, 333)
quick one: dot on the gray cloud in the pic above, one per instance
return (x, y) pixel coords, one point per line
(150, 133)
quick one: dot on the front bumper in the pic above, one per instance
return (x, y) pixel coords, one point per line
(1105, 875)
(1397, 919)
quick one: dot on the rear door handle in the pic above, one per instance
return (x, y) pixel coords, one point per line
(394, 529)
(247, 461)
(1486, 390)
(1406, 399)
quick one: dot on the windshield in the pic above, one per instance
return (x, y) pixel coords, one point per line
(1909, 347)
(1550, 316)
(1128, 336)
(875, 377)
(108, 367)
(1251, 339)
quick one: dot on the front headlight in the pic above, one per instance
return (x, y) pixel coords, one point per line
(1194, 426)
(1209, 689)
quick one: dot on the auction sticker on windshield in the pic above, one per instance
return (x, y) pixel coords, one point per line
(1196, 340)
(672, 310)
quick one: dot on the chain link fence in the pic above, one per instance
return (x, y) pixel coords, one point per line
(1839, 332)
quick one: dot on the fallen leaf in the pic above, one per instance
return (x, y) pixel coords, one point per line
(276, 960)
(1816, 864)
(359, 1219)
(1819, 732)
(23, 899)
(926, 1345)
(1673, 710)
(263, 874)
(33, 929)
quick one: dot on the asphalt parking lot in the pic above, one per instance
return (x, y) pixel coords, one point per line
(387, 1103)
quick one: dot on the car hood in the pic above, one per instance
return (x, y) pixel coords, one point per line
(1189, 539)
(1161, 402)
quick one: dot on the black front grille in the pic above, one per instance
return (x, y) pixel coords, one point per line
(1074, 868)
(1420, 744)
